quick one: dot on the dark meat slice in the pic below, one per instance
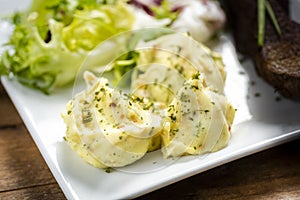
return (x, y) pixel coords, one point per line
(278, 60)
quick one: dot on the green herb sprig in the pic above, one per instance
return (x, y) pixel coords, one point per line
(264, 6)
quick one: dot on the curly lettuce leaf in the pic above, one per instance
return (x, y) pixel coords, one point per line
(164, 10)
(47, 52)
(39, 64)
(90, 27)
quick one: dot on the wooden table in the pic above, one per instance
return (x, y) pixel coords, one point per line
(271, 174)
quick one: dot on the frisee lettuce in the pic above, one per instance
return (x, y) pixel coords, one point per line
(164, 11)
(52, 39)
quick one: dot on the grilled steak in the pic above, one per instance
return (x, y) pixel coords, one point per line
(278, 60)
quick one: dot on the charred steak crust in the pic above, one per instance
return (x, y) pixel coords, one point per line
(278, 60)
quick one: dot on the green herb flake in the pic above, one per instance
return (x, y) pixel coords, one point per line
(194, 87)
(173, 117)
(257, 94)
(196, 76)
(108, 170)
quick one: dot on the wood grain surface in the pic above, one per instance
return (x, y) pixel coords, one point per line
(271, 174)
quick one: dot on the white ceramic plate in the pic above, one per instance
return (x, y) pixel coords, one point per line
(261, 122)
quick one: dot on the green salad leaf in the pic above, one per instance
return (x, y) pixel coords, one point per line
(52, 39)
(124, 64)
(164, 11)
(128, 58)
